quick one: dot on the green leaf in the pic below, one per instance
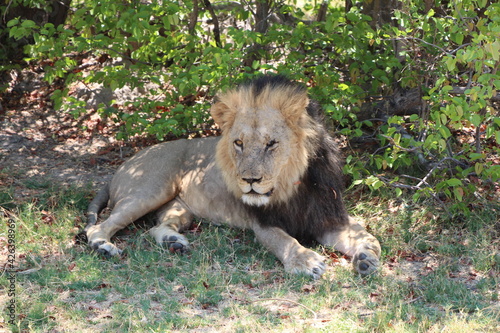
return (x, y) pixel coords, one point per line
(453, 182)
(378, 184)
(352, 17)
(475, 119)
(414, 117)
(451, 63)
(442, 144)
(28, 24)
(447, 88)
(12, 23)
(113, 85)
(397, 138)
(478, 168)
(459, 193)
(458, 38)
(494, 49)
(475, 156)
(445, 132)
(444, 119)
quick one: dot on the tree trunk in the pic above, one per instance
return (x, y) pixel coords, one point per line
(261, 16)
(381, 11)
(402, 102)
(262, 11)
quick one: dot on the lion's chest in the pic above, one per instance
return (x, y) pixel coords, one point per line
(204, 192)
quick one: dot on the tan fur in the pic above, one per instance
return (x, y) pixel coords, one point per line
(259, 161)
(255, 119)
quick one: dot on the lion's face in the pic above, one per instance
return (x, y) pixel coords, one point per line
(261, 146)
(263, 151)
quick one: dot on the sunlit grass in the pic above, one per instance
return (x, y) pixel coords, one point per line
(436, 276)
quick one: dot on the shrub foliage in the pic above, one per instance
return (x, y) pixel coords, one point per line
(421, 89)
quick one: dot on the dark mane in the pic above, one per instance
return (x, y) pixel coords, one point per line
(317, 206)
(274, 82)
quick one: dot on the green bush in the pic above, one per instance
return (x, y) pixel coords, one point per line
(450, 53)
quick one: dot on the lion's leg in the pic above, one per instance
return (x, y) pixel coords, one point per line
(353, 240)
(125, 211)
(295, 257)
(172, 219)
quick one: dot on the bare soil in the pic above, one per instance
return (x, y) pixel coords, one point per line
(40, 144)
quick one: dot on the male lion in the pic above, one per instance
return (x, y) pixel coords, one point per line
(274, 170)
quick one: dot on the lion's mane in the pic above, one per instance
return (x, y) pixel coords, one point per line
(309, 206)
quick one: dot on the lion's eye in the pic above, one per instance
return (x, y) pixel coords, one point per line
(238, 143)
(272, 144)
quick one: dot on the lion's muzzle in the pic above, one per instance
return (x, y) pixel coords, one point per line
(254, 196)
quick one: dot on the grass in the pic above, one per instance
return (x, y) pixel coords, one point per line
(438, 275)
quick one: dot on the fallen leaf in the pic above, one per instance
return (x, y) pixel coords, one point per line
(308, 288)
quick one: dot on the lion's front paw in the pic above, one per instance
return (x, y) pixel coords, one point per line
(366, 261)
(306, 262)
(105, 248)
(176, 243)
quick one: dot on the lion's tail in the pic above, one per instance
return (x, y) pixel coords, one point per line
(96, 205)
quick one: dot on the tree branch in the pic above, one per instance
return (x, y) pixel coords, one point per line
(423, 182)
(215, 20)
(401, 102)
(451, 53)
(461, 91)
(322, 11)
(193, 18)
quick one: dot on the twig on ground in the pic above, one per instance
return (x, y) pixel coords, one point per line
(414, 300)
(289, 301)
(423, 182)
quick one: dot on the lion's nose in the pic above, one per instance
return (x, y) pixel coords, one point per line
(252, 180)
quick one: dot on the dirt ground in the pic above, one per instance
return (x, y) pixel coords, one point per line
(38, 143)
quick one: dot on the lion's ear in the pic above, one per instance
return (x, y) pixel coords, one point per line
(294, 108)
(222, 114)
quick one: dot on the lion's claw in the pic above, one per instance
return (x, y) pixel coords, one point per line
(105, 249)
(307, 262)
(318, 271)
(366, 262)
(95, 245)
(176, 244)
